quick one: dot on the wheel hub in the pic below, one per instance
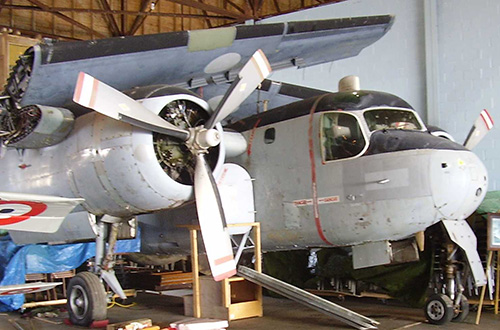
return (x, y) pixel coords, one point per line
(436, 310)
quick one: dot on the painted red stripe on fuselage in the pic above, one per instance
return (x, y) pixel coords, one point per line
(317, 219)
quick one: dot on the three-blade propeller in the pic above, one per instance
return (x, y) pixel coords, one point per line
(93, 94)
(481, 127)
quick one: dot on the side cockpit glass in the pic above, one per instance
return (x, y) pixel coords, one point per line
(380, 119)
(341, 136)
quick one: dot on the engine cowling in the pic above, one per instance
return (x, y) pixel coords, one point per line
(139, 171)
(37, 126)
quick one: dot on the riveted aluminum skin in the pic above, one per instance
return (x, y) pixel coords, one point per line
(112, 165)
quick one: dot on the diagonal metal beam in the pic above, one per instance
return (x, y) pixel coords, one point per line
(66, 18)
(207, 20)
(277, 6)
(210, 8)
(235, 6)
(113, 25)
(139, 19)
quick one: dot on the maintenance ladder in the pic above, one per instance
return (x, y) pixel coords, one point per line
(308, 299)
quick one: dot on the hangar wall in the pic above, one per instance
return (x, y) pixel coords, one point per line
(441, 56)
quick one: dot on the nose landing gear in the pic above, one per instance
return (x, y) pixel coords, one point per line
(448, 303)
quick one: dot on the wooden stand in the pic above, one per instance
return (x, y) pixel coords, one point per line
(230, 299)
(483, 290)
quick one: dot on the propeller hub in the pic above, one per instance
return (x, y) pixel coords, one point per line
(208, 138)
(201, 139)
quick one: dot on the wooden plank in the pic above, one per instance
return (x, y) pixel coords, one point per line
(44, 303)
(245, 310)
(196, 270)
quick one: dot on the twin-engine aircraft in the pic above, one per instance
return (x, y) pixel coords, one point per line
(98, 133)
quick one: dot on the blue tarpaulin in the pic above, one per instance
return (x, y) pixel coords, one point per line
(17, 261)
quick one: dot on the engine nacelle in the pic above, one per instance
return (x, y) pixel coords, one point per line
(138, 171)
(39, 126)
(119, 169)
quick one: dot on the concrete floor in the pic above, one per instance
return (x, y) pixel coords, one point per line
(278, 314)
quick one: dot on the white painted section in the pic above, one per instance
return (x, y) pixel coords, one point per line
(371, 254)
(236, 192)
(461, 233)
(34, 213)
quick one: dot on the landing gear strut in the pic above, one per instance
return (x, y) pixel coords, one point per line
(448, 303)
(87, 299)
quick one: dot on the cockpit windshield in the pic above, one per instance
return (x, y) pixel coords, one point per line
(378, 119)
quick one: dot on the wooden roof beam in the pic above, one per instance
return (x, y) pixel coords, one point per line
(66, 18)
(139, 19)
(113, 25)
(210, 8)
(113, 12)
(235, 6)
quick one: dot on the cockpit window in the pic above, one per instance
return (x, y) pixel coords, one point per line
(379, 119)
(341, 136)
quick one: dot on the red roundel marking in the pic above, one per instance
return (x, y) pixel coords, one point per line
(36, 209)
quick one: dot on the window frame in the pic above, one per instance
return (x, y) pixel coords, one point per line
(417, 116)
(362, 126)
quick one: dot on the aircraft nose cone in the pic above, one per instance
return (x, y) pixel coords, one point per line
(459, 182)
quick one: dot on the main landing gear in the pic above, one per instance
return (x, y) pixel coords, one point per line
(87, 299)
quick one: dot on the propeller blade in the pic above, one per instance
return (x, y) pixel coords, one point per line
(212, 222)
(481, 127)
(96, 95)
(249, 78)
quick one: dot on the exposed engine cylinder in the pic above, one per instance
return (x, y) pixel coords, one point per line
(38, 126)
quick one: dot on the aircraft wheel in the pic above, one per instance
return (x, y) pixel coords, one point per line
(461, 311)
(439, 309)
(86, 299)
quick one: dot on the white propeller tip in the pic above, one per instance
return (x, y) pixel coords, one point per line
(262, 63)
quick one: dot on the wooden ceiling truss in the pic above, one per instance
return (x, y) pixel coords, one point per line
(96, 19)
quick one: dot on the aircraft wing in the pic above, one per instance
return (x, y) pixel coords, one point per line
(34, 213)
(270, 95)
(188, 59)
(7, 290)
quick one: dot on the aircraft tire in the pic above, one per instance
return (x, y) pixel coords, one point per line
(462, 311)
(86, 299)
(439, 309)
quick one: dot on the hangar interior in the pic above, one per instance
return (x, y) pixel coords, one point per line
(439, 56)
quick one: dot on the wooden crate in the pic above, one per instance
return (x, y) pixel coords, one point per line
(231, 299)
(161, 281)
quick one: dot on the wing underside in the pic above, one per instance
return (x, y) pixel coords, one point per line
(34, 213)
